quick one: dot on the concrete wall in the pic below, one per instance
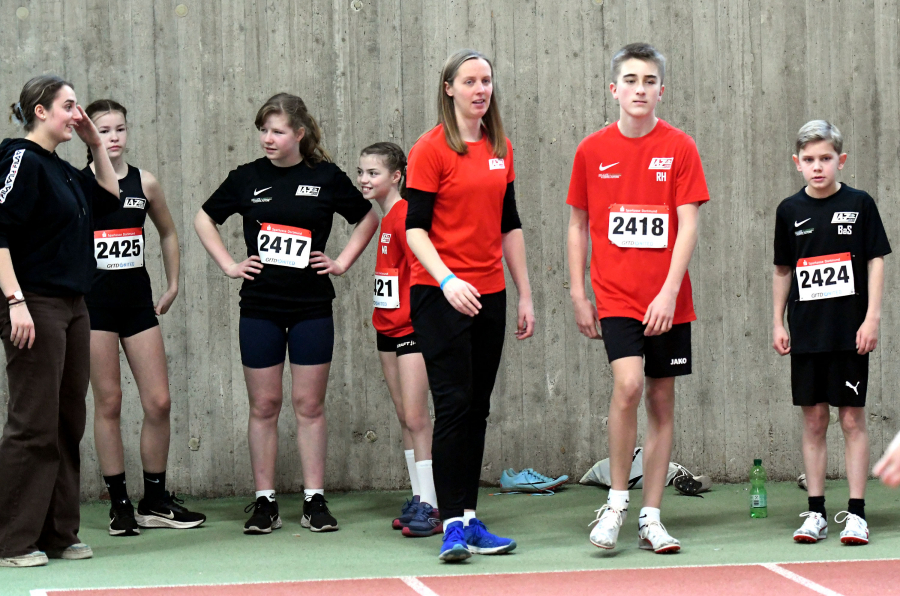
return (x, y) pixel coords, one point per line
(743, 76)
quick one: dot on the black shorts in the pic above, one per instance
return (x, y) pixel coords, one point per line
(263, 341)
(666, 355)
(404, 345)
(125, 321)
(839, 379)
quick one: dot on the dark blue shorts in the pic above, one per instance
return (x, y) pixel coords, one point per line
(308, 342)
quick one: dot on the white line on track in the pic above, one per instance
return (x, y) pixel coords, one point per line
(419, 587)
(43, 592)
(806, 583)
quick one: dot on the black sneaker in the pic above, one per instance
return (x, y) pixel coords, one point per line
(167, 513)
(121, 520)
(265, 517)
(316, 516)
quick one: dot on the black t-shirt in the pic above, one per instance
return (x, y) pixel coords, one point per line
(805, 228)
(302, 196)
(128, 287)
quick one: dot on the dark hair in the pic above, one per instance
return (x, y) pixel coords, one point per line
(393, 157)
(493, 124)
(40, 90)
(99, 108)
(298, 117)
(639, 51)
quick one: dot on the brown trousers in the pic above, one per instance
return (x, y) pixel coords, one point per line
(40, 464)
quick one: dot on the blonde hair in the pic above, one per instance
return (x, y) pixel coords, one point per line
(493, 124)
(819, 130)
(293, 108)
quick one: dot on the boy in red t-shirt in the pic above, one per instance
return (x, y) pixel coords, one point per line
(635, 192)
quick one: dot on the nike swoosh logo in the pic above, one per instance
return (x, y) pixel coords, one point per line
(256, 192)
(170, 515)
(797, 224)
(604, 168)
(153, 481)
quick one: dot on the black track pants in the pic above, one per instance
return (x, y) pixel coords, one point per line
(462, 356)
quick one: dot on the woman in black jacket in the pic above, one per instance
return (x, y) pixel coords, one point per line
(47, 263)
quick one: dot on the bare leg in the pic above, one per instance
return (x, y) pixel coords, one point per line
(391, 370)
(856, 449)
(107, 389)
(628, 386)
(309, 383)
(660, 406)
(815, 450)
(414, 388)
(147, 358)
(264, 390)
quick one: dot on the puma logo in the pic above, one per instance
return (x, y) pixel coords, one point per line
(855, 389)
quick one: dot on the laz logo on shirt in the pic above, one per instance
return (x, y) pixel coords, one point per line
(844, 217)
(661, 163)
(134, 203)
(308, 191)
(496, 164)
(385, 238)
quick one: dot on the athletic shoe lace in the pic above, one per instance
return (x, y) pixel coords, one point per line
(812, 521)
(855, 524)
(600, 512)
(540, 477)
(655, 531)
(454, 533)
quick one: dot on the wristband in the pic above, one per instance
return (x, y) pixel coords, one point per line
(446, 279)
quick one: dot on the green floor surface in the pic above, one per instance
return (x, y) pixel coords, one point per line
(552, 535)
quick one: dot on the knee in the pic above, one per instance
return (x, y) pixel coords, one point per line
(265, 408)
(158, 407)
(816, 424)
(309, 408)
(628, 392)
(108, 405)
(852, 422)
(417, 422)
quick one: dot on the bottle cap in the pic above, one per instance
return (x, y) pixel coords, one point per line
(757, 462)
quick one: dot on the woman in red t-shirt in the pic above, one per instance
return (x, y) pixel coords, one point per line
(380, 176)
(461, 223)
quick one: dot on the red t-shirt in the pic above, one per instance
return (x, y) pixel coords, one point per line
(392, 267)
(465, 225)
(660, 171)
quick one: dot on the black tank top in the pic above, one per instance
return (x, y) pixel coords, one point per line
(119, 242)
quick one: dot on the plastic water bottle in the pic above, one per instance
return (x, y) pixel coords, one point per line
(758, 495)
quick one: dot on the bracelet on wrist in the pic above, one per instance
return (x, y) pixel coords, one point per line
(16, 303)
(446, 279)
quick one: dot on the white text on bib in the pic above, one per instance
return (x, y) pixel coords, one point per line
(284, 245)
(639, 226)
(824, 277)
(119, 249)
(387, 293)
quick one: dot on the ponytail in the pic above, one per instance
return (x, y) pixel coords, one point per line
(298, 117)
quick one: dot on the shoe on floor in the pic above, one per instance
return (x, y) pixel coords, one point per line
(426, 522)
(316, 516)
(609, 521)
(692, 485)
(406, 513)
(167, 512)
(814, 528)
(265, 517)
(653, 536)
(74, 552)
(528, 481)
(801, 481)
(454, 547)
(482, 542)
(35, 559)
(856, 531)
(121, 520)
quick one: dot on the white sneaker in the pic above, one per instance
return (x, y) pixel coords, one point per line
(74, 552)
(35, 559)
(856, 531)
(653, 536)
(815, 528)
(609, 521)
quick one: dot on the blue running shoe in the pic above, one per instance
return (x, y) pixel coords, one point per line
(454, 547)
(426, 522)
(406, 513)
(528, 481)
(482, 542)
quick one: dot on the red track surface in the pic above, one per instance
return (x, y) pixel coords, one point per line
(844, 579)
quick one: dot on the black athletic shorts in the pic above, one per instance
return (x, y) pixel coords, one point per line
(263, 341)
(666, 355)
(126, 320)
(406, 344)
(837, 378)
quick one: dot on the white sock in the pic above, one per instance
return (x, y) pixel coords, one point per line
(269, 494)
(618, 499)
(467, 517)
(309, 492)
(648, 514)
(411, 467)
(426, 482)
(447, 522)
